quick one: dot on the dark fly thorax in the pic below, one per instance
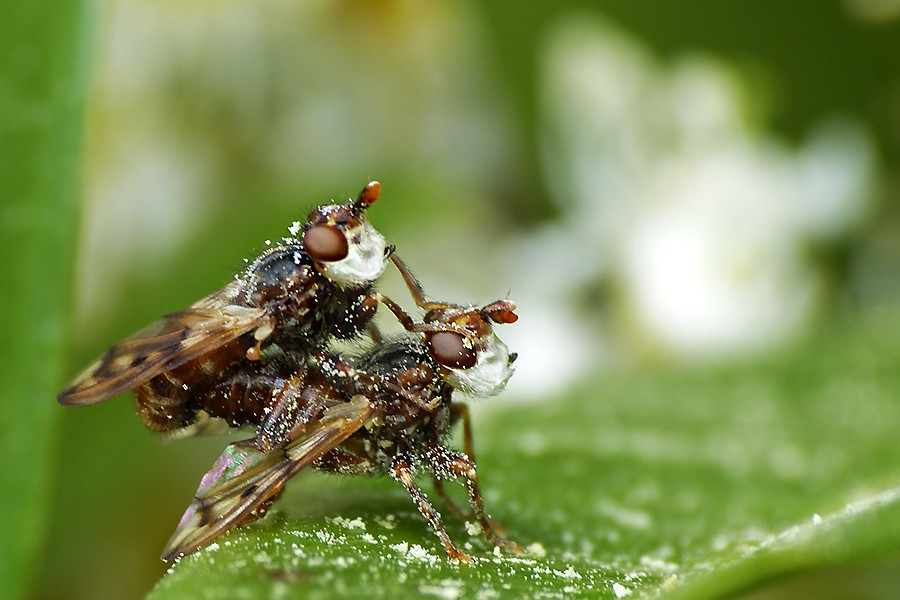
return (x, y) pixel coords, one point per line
(407, 381)
(414, 403)
(308, 306)
(284, 281)
(393, 355)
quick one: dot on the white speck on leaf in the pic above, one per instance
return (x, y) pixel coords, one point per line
(670, 581)
(402, 547)
(569, 573)
(658, 564)
(356, 523)
(419, 553)
(447, 588)
(624, 516)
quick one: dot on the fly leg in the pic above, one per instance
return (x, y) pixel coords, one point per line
(401, 470)
(461, 411)
(448, 501)
(410, 325)
(290, 406)
(450, 464)
(463, 515)
(415, 288)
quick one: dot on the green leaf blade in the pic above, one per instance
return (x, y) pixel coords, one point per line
(44, 57)
(693, 483)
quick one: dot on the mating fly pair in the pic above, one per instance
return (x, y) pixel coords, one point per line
(257, 352)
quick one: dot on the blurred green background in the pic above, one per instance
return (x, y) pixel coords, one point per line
(685, 185)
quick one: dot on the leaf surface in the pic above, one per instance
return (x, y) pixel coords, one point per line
(674, 483)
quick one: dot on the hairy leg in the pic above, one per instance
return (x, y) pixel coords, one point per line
(450, 464)
(402, 472)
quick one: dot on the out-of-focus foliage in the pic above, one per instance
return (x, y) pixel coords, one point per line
(43, 61)
(647, 180)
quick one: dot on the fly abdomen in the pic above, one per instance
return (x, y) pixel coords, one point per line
(165, 402)
(241, 399)
(162, 403)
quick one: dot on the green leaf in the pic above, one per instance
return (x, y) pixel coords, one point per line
(680, 483)
(43, 57)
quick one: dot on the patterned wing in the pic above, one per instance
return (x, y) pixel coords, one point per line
(244, 480)
(164, 345)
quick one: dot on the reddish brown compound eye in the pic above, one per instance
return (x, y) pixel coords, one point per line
(448, 349)
(325, 243)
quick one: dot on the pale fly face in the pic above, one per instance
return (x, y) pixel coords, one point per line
(342, 242)
(475, 360)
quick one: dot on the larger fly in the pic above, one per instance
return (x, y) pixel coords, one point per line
(297, 294)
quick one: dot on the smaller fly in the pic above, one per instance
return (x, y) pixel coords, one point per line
(387, 412)
(297, 294)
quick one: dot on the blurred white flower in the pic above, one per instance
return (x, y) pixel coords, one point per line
(555, 344)
(700, 222)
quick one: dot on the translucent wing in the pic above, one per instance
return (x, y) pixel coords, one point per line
(244, 480)
(164, 345)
